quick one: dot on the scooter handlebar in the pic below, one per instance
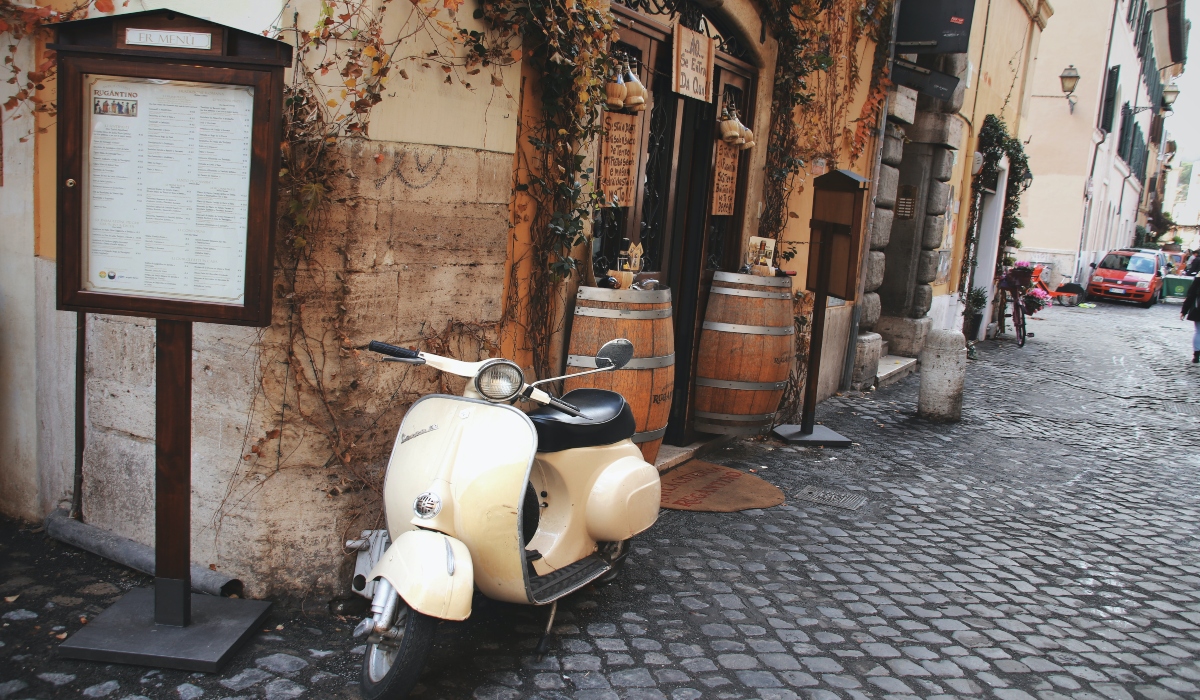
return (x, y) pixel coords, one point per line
(392, 350)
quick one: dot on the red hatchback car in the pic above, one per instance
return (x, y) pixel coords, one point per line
(1128, 275)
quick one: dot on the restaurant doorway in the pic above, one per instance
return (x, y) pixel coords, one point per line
(670, 215)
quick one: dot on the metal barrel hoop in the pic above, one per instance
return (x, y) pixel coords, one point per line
(585, 362)
(749, 330)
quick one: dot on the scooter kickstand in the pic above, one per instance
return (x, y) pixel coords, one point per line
(544, 644)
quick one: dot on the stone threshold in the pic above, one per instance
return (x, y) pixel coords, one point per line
(893, 368)
(670, 456)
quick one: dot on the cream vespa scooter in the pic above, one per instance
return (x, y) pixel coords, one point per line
(526, 507)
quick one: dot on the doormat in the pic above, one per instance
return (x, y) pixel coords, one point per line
(704, 486)
(832, 497)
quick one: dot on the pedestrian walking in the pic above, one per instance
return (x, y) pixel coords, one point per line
(1191, 310)
(1193, 265)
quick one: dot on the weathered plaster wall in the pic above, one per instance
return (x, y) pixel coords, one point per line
(55, 394)
(18, 318)
(412, 243)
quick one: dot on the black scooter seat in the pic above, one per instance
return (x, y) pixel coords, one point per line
(608, 420)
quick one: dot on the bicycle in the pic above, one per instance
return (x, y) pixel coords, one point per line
(1016, 281)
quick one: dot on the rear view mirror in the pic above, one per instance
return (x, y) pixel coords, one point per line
(1093, 266)
(614, 354)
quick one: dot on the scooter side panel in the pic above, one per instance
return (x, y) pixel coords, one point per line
(476, 456)
(624, 500)
(563, 537)
(432, 572)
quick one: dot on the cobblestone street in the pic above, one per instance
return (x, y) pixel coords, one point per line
(1046, 547)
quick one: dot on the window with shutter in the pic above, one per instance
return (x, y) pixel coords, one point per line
(1108, 111)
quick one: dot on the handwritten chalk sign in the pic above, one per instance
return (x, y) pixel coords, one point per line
(618, 158)
(693, 65)
(725, 180)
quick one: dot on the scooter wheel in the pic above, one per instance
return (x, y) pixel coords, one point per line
(391, 667)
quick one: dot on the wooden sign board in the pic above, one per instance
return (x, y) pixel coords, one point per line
(837, 229)
(168, 150)
(618, 158)
(692, 74)
(725, 179)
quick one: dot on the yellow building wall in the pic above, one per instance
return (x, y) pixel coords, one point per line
(1004, 38)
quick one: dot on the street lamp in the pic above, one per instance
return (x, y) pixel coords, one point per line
(1069, 79)
(1169, 95)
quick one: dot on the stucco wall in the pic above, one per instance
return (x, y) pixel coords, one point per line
(18, 316)
(415, 238)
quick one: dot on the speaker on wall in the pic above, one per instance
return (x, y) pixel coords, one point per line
(934, 26)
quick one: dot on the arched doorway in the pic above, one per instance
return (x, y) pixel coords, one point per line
(671, 214)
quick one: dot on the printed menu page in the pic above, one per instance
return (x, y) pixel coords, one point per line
(167, 188)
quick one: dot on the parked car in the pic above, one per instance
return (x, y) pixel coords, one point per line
(1128, 275)
(1162, 257)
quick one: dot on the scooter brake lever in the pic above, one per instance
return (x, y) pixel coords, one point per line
(406, 360)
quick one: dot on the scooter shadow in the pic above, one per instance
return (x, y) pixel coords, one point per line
(493, 645)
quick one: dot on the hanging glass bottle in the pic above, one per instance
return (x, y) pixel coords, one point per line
(635, 92)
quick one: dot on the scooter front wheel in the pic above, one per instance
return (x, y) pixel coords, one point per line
(391, 666)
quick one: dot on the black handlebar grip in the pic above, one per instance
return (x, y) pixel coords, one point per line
(392, 350)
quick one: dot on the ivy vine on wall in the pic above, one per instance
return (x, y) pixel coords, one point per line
(995, 143)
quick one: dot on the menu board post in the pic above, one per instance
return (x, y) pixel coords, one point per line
(168, 148)
(839, 207)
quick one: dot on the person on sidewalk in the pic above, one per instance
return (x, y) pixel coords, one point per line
(1191, 310)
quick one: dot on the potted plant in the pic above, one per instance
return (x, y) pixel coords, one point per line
(976, 302)
(1035, 300)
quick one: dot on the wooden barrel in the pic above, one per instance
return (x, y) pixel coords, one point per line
(747, 346)
(648, 381)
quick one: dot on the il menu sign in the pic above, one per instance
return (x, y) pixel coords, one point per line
(618, 161)
(693, 65)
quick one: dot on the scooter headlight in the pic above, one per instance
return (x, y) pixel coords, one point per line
(500, 380)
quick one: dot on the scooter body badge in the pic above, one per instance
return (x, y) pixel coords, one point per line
(410, 436)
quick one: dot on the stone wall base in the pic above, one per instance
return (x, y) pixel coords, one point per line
(905, 336)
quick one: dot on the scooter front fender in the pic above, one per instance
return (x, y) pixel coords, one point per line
(432, 572)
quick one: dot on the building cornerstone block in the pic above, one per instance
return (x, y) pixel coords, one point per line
(902, 104)
(936, 128)
(893, 146)
(876, 262)
(867, 350)
(939, 198)
(868, 311)
(889, 180)
(943, 165)
(922, 301)
(927, 266)
(904, 336)
(934, 233)
(881, 228)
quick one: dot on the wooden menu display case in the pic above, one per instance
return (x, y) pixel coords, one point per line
(168, 149)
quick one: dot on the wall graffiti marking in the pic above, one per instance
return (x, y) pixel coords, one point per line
(417, 168)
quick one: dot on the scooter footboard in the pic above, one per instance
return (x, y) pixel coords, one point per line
(432, 572)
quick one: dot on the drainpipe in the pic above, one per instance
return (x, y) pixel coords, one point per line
(971, 253)
(1087, 212)
(856, 314)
